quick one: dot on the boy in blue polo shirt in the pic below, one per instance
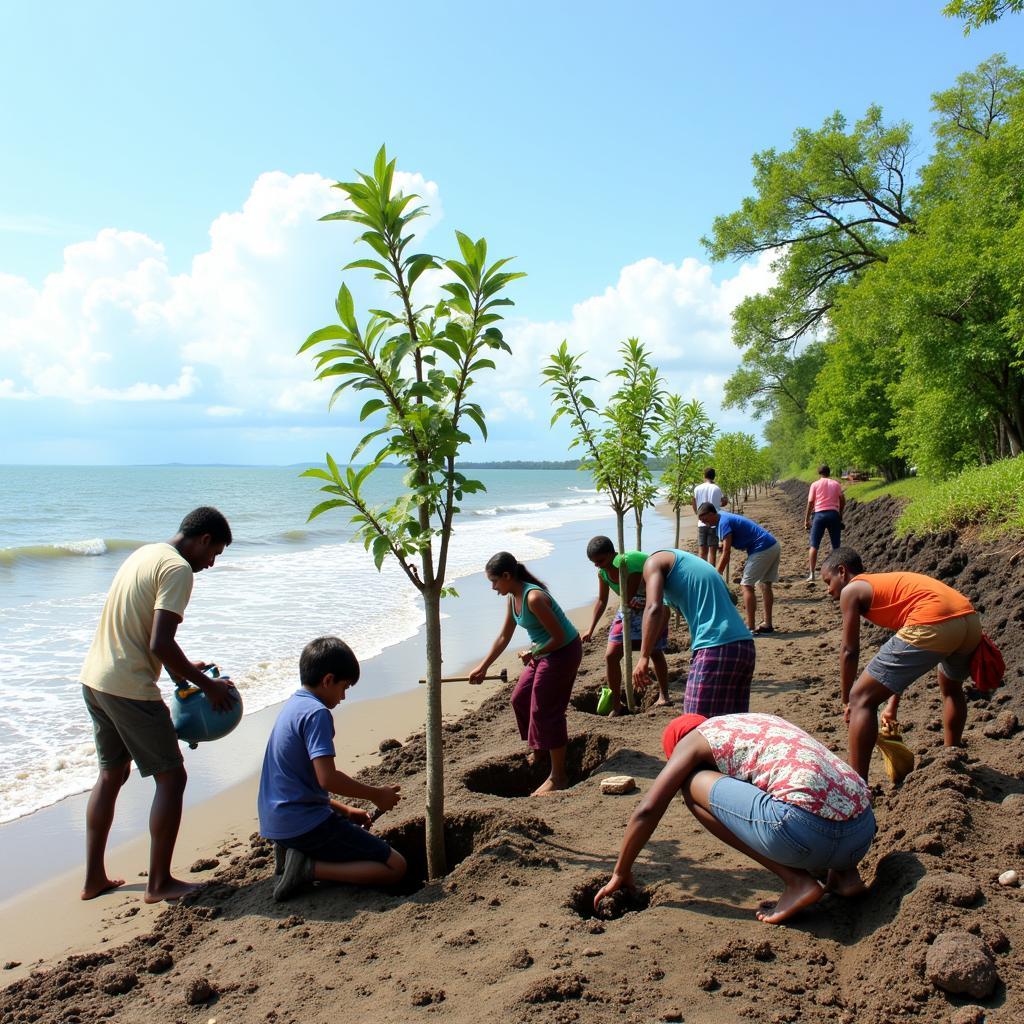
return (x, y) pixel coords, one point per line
(763, 555)
(325, 840)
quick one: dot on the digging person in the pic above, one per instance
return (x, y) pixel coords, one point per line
(769, 790)
(541, 696)
(936, 626)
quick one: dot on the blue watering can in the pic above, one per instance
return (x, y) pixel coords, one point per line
(193, 716)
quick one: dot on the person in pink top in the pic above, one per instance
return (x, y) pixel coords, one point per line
(825, 504)
(769, 790)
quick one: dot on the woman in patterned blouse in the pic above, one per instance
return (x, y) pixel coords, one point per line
(765, 787)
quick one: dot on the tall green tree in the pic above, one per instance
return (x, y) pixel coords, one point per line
(616, 442)
(417, 365)
(684, 443)
(826, 209)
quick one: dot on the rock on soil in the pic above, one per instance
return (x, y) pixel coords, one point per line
(204, 864)
(961, 964)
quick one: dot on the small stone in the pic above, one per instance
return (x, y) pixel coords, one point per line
(673, 1013)
(1003, 727)
(616, 785)
(204, 864)
(9, 965)
(392, 744)
(115, 981)
(198, 991)
(1009, 878)
(1013, 799)
(707, 981)
(960, 963)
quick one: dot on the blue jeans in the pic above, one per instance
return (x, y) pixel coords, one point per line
(823, 521)
(788, 834)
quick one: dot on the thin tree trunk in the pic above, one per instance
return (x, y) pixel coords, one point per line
(638, 516)
(678, 515)
(437, 863)
(627, 641)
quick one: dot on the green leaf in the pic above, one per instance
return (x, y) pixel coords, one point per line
(372, 406)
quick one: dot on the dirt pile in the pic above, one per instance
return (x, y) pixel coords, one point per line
(510, 933)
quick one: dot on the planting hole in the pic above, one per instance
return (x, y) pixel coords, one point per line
(464, 834)
(515, 777)
(581, 901)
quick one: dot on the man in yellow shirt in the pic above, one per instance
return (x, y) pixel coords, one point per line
(134, 639)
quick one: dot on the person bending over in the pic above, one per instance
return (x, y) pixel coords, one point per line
(769, 790)
(541, 695)
(722, 662)
(325, 840)
(601, 551)
(762, 565)
(935, 626)
(134, 639)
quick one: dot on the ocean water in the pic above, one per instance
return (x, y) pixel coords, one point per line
(65, 531)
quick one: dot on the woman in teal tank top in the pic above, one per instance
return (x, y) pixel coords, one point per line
(541, 694)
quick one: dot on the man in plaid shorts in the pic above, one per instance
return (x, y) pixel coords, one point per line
(722, 664)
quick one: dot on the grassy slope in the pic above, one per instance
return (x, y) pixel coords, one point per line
(990, 496)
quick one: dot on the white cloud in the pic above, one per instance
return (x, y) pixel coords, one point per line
(115, 324)
(680, 313)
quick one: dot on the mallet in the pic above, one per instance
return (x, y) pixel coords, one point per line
(502, 675)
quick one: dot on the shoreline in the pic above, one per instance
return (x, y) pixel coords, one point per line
(218, 814)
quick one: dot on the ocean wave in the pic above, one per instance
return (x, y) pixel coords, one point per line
(540, 506)
(66, 549)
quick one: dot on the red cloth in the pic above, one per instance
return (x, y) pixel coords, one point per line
(677, 729)
(987, 665)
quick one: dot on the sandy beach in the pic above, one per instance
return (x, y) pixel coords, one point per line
(40, 869)
(510, 935)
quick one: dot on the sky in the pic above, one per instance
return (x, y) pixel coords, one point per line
(163, 170)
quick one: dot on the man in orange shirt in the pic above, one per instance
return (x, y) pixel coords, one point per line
(934, 625)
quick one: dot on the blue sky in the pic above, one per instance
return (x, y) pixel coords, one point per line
(163, 169)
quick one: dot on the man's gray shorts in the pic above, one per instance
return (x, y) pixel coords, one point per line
(707, 536)
(762, 567)
(897, 664)
(132, 730)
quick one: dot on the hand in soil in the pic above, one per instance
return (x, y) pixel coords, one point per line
(803, 893)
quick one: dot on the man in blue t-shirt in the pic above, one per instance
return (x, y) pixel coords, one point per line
(722, 664)
(762, 565)
(325, 840)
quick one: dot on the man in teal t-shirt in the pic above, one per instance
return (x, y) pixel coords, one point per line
(601, 551)
(722, 664)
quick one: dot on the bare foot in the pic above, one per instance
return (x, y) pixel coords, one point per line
(663, 702)
(804, 893)
(90, 892)
(616, 712)
(173, 890)
(550, 785)
(845, 883)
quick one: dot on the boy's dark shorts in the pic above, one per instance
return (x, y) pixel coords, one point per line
(337, 840)
(132, 730)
